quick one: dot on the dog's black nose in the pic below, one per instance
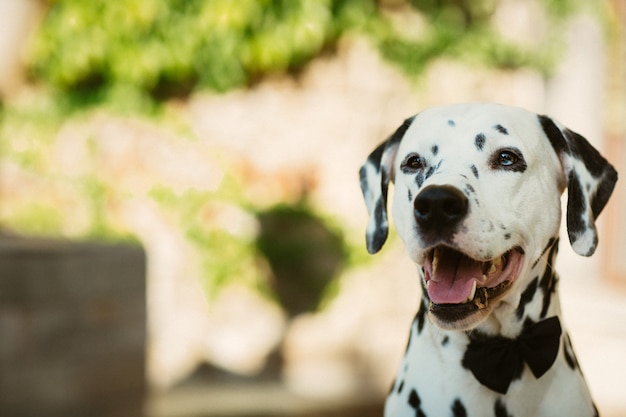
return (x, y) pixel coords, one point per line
(439, 207)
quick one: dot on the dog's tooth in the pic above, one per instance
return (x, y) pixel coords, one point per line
(492, 268)
(472, 292)
(435, 260)
(497, 262)
(484, 278)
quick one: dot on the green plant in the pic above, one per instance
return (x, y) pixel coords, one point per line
(162, 48)
(168, 47)
(225, 253)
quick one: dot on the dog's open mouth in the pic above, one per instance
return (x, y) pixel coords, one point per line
(454, 280)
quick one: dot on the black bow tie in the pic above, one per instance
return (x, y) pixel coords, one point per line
(496, 361)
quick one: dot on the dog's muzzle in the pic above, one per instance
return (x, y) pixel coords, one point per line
(457, 285)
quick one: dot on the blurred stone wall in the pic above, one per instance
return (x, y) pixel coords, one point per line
(72, 329)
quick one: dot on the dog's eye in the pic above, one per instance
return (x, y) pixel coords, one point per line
(413, 162)
(509, 160)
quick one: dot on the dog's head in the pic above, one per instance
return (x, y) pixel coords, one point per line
(477, 200)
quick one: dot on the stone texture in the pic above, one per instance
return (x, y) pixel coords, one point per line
(73, 326)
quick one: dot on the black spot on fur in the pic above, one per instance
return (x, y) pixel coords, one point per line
(380, 234)
(507, 236)
(408, 342)
(597, 166)
(410, 196)
(576, 206)
(583, 150)
(568, 352)
(500, 409)
(468, 190)
(549, 281)
(474, 171)
(556, 138)
(415, 402)
(445, 341)
(479, 141)
(527, 296)
(551, 242)
(451, 123)
(400, 387)
(421, 316)
(501, 129)
(374, 159)
(419, 178)
(458, 409)
(435, 150)
(429, 172)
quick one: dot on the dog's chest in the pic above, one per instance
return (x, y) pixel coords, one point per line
(432, 381)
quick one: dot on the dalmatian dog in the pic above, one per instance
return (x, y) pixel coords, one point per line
(477, 205)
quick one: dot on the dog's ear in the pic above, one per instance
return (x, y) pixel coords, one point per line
(590, 182)
(375, 175)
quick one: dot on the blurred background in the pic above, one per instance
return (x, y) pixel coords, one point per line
(182, 225)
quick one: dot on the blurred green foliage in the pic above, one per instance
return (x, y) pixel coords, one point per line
(168, 47)
(165, 48)
(224, 255)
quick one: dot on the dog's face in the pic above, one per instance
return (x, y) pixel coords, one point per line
(477, 200)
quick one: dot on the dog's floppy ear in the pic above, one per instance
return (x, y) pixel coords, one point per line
(375, 175)
(590, 182)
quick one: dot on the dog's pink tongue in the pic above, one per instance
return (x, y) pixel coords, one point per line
(453, 279)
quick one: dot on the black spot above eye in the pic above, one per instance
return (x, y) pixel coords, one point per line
(435, 150)
(508, 159)
(501, 129)
(479, 141)
(451, 123)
